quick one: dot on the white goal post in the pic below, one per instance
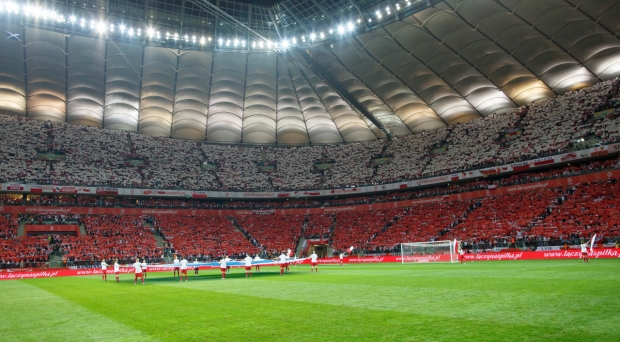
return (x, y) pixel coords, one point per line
(434, 251)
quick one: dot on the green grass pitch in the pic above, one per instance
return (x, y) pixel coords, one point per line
(481, 301)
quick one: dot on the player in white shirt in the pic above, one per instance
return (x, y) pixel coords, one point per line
(248, 265)
(144, 268)
(196, 267)
(341, 257)
(104, 270)
(282, 258)
(257, 267)
(183, 269)
(117, 269)
(584, 251)
(223, 266)
(176, 269)
(313, 262)
(137, 266)
(228, 267)
(461, 255)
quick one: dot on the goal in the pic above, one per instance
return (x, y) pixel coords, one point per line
(435, 251)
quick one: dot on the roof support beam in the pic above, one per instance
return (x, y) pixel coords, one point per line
(205, 5)
(283, 4)
(359, 10)
(325, 13)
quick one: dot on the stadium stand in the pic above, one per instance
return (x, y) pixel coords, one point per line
(103, 157)
(202, 237)
(272, 233)
(318, 226)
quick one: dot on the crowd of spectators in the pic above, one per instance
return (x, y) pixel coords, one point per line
(94, 156)
(202, 238)
(273, 234)
(452, 188)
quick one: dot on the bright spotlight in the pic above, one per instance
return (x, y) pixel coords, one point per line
(312, 36)
(341, 29)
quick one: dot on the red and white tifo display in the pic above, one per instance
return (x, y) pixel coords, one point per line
(597, 253)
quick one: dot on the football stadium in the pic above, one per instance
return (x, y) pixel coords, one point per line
(310, 170)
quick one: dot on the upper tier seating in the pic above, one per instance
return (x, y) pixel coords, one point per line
(103, 157)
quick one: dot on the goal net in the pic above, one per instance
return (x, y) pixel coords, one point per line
(435, 251)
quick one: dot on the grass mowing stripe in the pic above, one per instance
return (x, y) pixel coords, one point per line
(33, 314)
(502, 306)
(177, 312)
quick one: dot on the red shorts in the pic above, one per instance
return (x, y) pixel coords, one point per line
(116, 273)
(176, 268)
(138, 275)
(281, 265)
(223, 270)
(248, 268)
(584, 253)
(313, 263)
(183, 271)
(104, 271)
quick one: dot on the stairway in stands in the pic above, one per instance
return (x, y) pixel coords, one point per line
(244, 232)
(21, 229)
(83, 229)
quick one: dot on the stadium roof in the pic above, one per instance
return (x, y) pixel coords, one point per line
(297, 71)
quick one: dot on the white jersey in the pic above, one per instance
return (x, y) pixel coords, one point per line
(257, 258)
(248, 261)
(137, 267)
(341, 256)
(313, 257)
(104, 266)
(176, 261)
(282, 258)
(183, 264)
(143, 266)
(117, 267)
(584, 248)
(223, 263)
(461, 252)
(228, 259)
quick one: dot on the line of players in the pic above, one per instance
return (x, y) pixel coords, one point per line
(140, 268)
